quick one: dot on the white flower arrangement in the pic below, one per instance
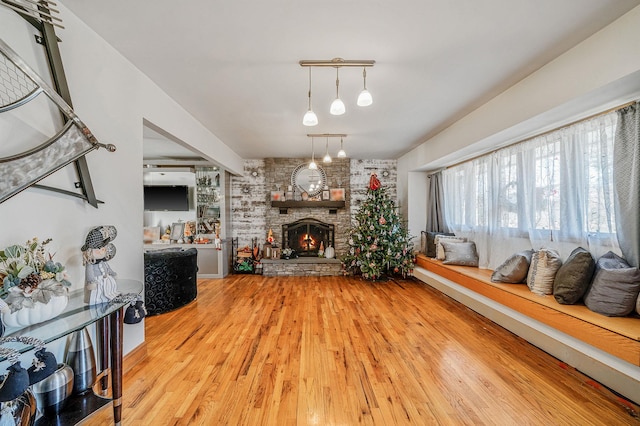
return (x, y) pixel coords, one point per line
(30, 275)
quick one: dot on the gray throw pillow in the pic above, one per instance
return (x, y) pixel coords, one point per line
(423, 242)
(573, 277)
(460, 253)
(513, 270)
(544, 265)
(430, 248)
(440, 248)
(615, 287)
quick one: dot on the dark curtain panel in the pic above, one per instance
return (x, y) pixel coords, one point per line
(435, 209)
(626, 178)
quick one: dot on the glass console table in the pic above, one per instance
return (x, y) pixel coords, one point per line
(109, 328)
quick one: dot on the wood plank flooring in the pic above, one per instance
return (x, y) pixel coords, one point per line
(253, 350)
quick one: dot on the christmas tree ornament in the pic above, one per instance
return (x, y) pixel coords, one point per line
(374, 183)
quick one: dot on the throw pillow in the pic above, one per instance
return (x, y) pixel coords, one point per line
(460, 253)
(423, 242)
(615, 287)
(573, 277)
(513, 270)
(544, 266)
(638, 305)
(440, 249)
(430, 248)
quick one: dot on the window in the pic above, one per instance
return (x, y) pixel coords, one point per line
(546, 191)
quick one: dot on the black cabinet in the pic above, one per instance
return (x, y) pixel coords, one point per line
(170, 279)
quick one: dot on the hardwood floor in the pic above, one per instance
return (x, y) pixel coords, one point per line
(253, 350)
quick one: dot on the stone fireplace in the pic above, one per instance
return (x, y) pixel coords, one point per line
(305, 236)
(278, 173)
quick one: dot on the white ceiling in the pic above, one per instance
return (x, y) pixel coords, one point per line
(234, 64)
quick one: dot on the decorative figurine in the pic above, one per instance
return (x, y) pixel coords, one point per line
(100, 284)
(374, 183)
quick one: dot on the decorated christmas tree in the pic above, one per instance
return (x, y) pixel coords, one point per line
(379, 243)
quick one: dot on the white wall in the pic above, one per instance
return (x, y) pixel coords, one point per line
(601, 72)
(112, 98)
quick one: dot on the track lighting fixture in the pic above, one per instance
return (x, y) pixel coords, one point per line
(327, 157)
(337, 106)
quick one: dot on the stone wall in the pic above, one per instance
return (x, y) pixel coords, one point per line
(248, 203)
(302, 267)
(278, 171)
(252, 214)
(361, 171)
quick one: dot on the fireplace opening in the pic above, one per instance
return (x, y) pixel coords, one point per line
(305, 236)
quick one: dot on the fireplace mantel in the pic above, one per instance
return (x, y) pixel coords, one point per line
(308, 204)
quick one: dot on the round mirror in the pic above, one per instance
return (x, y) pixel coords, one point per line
(309, 181)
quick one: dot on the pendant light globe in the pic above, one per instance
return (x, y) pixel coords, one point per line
(310, 118)
(327, 157)
(341, 153)
(312, 164)
(365, 98)
(337, 106)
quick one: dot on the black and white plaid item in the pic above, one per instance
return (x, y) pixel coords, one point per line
(99, 237)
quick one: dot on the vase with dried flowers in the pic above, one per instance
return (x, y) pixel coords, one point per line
(34, 287)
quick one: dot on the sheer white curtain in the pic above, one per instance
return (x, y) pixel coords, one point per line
(552, 191)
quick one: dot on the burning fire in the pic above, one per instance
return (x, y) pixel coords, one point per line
(307, 242)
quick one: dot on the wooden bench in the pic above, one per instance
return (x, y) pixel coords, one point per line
(618, 336)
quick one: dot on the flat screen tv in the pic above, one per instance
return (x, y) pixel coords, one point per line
(166, 197)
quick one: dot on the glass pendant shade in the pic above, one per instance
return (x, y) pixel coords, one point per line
(365, 98)
(312, 164)
(341, 153)
(337, 107)
(310, 118)
(327, 157)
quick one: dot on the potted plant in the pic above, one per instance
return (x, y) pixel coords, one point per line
(34, 287)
